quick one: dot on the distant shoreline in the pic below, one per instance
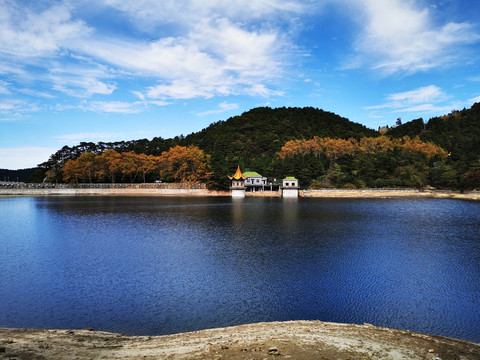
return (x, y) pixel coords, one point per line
(391, 193)
(203, 192)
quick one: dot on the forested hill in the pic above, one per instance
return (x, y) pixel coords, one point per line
(263, 131)
(304, 142)
(459, 134)
(250, 140)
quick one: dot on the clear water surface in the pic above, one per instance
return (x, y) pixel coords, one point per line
(159, 265)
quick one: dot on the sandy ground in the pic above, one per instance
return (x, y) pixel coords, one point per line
(396, 193)
(277, 340)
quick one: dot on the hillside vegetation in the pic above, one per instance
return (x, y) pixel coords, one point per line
(459, 134)
(320, 148)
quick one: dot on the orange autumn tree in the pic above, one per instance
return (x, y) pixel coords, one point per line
(334, 148)
(72, 172)
(109, 165)
(430, 150)
(81, 169)
(147, 164)
(184, 164)
(130, 165)
(331, 148)
(372, 145)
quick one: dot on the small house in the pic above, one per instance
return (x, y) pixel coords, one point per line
(254, 181)
(290, 187)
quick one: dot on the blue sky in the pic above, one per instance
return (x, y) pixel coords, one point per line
(109, 70)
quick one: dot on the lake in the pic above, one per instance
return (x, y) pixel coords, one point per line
(161, 265)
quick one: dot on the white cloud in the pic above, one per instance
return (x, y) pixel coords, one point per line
(261, 90)
(182, 89)
(474, 100)
(24, 157)
(88, 136)
(420, 95)
(13, 109)
(82, 87)
(213, 58)
(398, 36)
(224, 106)
(159, 102)
(203, 58)
(4, 88)
(38, 40)
(418, 100)
(24, 33)
(118, 107)
(35, 93)
(80, 80)
(140, 96)
(150, 13)
(427, 108)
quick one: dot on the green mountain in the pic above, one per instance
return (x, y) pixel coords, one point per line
(252, 139)
(459, 134)
(265, 130)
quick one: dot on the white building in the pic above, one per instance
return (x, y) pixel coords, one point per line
(290, 187)
(254, 181)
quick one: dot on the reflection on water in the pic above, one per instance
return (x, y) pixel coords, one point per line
(145, 265)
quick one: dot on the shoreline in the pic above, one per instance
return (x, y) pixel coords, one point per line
(290, 339)
(203, 192)
(392, 193)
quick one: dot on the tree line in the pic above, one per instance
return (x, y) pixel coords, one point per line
(178, 164)
(318, 147)
(459, 134)
(368, 162)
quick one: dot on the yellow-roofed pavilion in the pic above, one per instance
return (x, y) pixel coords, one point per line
(238, 183)
(238, 175)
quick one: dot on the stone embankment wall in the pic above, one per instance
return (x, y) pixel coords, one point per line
(173, 189)
(391, 193)
(267, 193)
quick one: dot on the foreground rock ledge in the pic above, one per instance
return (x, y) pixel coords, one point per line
(277, 340)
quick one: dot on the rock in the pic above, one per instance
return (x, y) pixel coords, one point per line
(273, 351)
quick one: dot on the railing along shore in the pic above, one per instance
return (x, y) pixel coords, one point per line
(22, 185)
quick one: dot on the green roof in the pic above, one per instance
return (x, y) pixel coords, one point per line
(290, 178)
(251, 174)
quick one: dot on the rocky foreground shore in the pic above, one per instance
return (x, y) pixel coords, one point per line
(277, 340)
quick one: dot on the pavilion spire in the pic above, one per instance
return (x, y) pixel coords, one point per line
(238, 175)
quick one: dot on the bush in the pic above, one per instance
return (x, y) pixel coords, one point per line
(472, 180)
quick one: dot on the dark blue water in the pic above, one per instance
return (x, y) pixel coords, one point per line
(156, 265)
